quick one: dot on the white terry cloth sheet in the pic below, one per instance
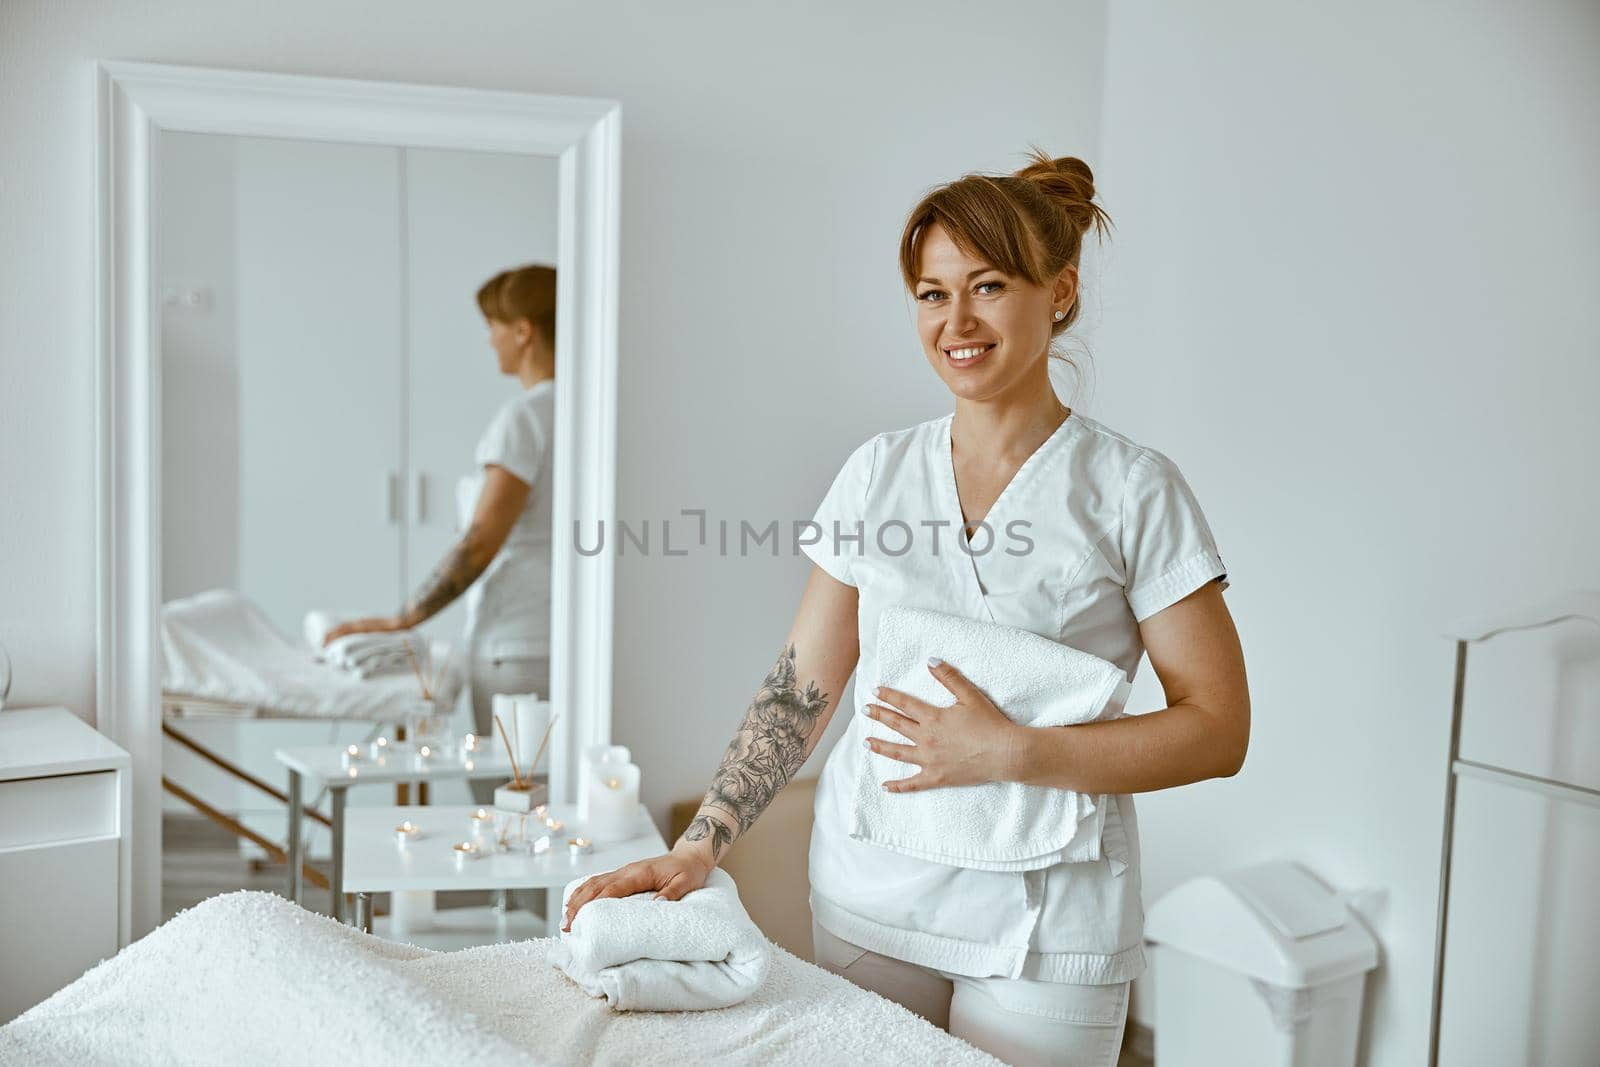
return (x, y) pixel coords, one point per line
(251, 978)
(641, 954)
(996, 826)
(218, 646)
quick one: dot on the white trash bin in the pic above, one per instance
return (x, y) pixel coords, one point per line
(1257, 967)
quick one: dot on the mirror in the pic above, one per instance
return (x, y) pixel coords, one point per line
(302, 404)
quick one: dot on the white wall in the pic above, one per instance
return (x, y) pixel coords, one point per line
(1352, 294)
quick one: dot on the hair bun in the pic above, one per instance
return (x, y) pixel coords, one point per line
(1069, 182)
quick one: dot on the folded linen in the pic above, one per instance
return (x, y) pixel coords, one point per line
(696, 953)
(364, 654)
(996, 826)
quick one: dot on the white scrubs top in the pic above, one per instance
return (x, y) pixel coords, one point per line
(1093, 535)
(508, 607)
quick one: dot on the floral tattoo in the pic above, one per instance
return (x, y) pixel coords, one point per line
(768, 750)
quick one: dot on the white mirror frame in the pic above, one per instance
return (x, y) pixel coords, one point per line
(134, 101)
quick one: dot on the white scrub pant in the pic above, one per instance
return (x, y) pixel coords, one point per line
(1018, 1020)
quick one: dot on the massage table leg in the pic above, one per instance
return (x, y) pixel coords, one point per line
(295, 881)
(364, 912)
(336, 883)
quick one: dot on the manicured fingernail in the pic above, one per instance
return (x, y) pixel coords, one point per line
(877, 691)
(935, 661)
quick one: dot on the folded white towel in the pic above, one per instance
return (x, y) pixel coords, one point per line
(364, 654)
(642, 954)
(996, 826)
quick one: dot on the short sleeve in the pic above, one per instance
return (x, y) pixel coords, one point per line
(839, 536)
(1168, 550)
(514, 440)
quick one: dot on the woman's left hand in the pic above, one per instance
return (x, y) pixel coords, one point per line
(376, 624)
(968, 743)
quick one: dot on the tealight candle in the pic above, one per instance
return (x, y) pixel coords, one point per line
(406, 833)
(463, 851)
(554, 825)
(379, 749)
(469, 747)
(350, 756)
(541, 812)
(579, 846)
(424, 758)
(482, 822)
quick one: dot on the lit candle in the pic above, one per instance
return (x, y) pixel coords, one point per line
(469, 748)
(463, 851)
(406, 833)
(554, 825)
(613, 800)
(541, 812)
(350, 756)
(424, 758)
(482, 823)
(588, 761)
(379, 749)
(579, 846)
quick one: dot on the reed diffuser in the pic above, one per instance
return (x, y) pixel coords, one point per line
(520, 795)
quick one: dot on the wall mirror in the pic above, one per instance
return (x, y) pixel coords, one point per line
(295, 368)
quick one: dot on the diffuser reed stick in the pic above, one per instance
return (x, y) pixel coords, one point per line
(516, 775)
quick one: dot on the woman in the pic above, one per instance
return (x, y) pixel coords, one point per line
(1031, 966)
(507, 541)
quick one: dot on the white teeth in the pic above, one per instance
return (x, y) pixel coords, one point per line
(967, 353)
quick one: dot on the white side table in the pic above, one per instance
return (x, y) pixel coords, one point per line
(320, 765)
(375, 863)
(65, 853)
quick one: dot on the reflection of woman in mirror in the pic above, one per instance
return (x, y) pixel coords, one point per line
(507, 539)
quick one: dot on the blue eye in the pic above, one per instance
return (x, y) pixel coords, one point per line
(930, 293)
(997, 285)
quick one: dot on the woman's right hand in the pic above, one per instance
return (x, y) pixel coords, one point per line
(672, 875)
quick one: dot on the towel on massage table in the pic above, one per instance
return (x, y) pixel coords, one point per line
(699, 952)
(217, 645)
(251, 978)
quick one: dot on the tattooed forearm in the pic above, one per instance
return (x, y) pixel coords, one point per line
(454, 574)
(770, 747)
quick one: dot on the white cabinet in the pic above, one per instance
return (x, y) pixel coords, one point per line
(64, 853)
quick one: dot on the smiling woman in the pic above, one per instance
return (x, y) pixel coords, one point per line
(1030, 962)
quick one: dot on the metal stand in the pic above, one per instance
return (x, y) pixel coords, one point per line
(1582, 607)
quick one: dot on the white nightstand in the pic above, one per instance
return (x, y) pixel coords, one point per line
(65, 853)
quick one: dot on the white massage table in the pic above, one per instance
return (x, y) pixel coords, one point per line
(222, 658)
(226, 982)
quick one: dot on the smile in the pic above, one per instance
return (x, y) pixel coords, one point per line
(966, 357)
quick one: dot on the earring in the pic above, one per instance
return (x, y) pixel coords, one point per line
(1060, 315)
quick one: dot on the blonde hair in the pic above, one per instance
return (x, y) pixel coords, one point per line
(1030, 224)
(522, 293)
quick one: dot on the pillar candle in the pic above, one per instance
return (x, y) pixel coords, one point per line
(613, 801)
(588, 759)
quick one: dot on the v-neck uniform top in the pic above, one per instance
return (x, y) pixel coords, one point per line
(1092, 535)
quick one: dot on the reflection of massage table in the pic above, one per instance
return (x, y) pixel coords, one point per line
(251, 978)
(221, 658)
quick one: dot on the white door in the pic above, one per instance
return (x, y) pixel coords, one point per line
(320, 386)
